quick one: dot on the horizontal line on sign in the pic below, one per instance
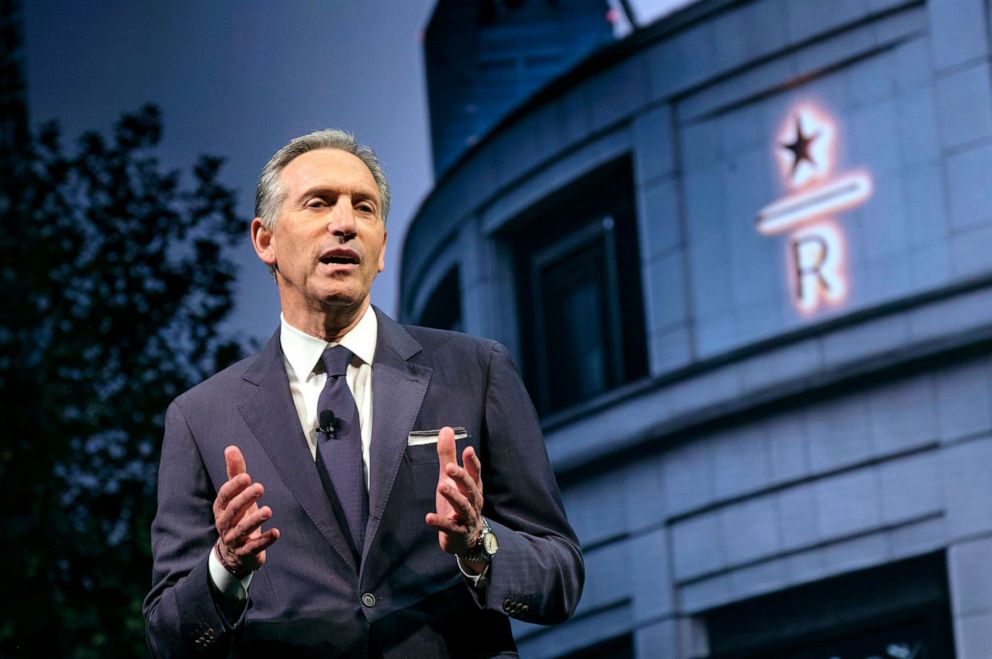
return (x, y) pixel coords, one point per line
(834, 197)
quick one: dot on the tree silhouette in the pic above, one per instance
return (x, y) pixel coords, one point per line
(113, 284)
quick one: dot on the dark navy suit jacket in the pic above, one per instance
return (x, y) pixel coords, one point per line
(405, 597)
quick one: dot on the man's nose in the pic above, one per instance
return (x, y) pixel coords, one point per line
(342, 219)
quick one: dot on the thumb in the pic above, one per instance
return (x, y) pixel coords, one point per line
(446, 447)
(235, 461)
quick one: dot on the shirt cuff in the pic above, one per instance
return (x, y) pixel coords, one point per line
(479, 581)
(228, 585)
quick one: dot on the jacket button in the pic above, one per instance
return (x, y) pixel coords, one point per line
(368, 599)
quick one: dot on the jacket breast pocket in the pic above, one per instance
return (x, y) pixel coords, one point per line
(421, 445)
(422, 454)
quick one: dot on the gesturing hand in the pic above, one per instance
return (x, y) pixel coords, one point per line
(458, 499)
(238, 518)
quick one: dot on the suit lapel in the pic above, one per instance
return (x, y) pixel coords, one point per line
(398, 388)
(269, 411)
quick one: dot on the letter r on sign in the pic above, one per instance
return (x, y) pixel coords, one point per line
(817, 256)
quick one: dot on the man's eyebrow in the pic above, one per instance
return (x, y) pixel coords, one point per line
(324, 190)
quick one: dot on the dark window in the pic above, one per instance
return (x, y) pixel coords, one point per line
(444, 307)
(896, 611)
(580, 290)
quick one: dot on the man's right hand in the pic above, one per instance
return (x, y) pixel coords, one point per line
(239, 519)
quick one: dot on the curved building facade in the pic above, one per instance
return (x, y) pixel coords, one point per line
(743, 258)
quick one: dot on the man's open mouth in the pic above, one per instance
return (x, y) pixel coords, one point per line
(339, 257)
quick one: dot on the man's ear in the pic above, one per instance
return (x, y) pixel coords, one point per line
(263, 240)
(382, 252)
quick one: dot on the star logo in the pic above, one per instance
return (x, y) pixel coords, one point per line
(800, 146)
(805, 147)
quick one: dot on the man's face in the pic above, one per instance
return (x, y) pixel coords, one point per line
(329, 241)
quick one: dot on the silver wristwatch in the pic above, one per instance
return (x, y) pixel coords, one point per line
(485, 548)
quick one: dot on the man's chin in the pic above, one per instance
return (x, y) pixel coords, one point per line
(343, 300)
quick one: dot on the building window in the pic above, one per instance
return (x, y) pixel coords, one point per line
(895, 611)
(444, 307)
(580, 291)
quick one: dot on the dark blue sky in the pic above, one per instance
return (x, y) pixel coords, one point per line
(239, 79)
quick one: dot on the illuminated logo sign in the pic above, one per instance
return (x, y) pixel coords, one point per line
(805, 152)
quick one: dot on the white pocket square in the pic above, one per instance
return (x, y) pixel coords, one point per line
(419, 437)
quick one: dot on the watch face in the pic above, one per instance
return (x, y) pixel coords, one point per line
(490, 544)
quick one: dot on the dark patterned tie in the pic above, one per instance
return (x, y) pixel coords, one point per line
(339, 447)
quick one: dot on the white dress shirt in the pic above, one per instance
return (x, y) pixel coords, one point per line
(301, 355)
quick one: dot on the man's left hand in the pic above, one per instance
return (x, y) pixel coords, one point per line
(458, 517)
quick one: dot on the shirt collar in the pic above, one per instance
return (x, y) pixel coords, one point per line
(303, 351)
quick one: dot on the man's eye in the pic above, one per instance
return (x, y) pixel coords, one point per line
(366, 208)
(316, 203)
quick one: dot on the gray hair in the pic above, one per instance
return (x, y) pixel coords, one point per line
(269, 194)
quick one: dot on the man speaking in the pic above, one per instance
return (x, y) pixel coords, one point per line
(358, 488)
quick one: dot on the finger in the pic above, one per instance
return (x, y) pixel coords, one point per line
(235, 461)
(446, 447)
(473, 465)
(464, 482)
(459, 502)
(249, 525)
(244, 503)
(262, 542)
(238, 506)
(446, 525)
(237, 537)
(229, 490)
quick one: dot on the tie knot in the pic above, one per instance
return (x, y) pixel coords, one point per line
(336, 360)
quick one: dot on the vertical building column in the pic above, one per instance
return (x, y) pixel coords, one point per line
(964, 412)
(970, 575)
(489, 304)
(659, 631)
(962, 80)
(662, 241)
(968, 500)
